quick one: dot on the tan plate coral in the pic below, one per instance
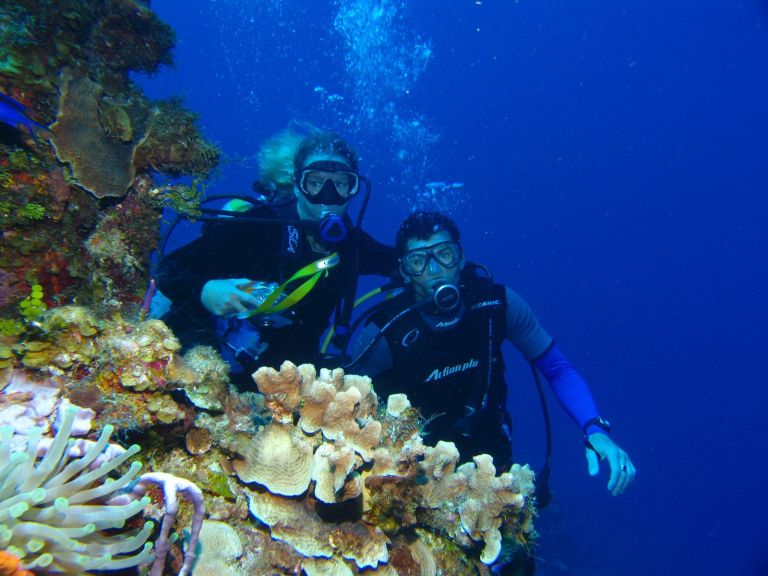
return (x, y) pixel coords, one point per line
(344, 485)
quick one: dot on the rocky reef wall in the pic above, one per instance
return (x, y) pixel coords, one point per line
(79, 204)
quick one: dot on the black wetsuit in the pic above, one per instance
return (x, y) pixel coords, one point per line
(451, 368)
(271, 253)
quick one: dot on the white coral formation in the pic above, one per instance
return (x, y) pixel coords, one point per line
(331, 467)
(471, 493)
(54, 509)
(279, 459)
(397, 404)
(281, 390)
(301, 527)
(337, 432)
(26, 403)
(220, 547)
(488, 497)
(326, 443)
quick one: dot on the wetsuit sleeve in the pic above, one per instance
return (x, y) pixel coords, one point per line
(527, 334)
(179, 276)
(570, 388)
(523, 328)
(225, 250)
(377, 258)
(369, 360)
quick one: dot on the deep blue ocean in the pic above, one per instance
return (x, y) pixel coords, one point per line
(610, 162)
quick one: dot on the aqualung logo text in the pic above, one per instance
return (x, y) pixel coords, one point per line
(437, 374)
(447, 323)
(485, 304)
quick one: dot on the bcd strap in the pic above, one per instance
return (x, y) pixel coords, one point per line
(312, 272)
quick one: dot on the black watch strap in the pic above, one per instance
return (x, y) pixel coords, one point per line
(598, 421)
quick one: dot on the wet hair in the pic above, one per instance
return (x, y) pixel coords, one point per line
(276, 156)
(326, 143)
(422, 226)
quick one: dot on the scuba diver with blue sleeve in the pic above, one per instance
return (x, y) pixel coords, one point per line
(262, 284)
(439, 342)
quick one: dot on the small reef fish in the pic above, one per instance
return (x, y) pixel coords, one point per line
(442, 186)
(14, 114)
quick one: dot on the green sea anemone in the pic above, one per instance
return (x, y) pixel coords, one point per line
(54, 509)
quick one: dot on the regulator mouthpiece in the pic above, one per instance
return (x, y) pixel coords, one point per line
(446, 297)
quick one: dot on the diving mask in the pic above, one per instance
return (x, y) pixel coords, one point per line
(415, 262)
(328, 182)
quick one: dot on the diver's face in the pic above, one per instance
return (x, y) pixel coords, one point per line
(435, 272)
(309, 210)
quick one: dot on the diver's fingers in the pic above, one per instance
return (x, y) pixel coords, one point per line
(615, 478)
(247, 300)
(627, 472)
(593, 464)
(234, 303)
(628, 476)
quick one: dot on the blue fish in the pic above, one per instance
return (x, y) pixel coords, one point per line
(14, 114)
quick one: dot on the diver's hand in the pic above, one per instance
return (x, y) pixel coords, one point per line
(222, 297)
(622, 470)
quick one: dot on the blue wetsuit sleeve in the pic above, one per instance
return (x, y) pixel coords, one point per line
(570, 388)
(528, 336)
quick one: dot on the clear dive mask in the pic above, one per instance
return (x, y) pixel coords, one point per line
(415, 262)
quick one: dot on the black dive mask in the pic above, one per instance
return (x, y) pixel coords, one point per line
(328, 195)
(328, 182)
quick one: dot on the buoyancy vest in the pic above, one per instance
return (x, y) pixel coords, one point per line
(280, 251)
(452, 369)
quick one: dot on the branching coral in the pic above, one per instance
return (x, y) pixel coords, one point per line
(172, 487)
(54, 509)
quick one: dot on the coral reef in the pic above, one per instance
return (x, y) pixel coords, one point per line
(107, 39)
(107, 169)
(325, 446)
(77, 201)
(173, 144)
(310, 474)
(93, 355)
(220, 547)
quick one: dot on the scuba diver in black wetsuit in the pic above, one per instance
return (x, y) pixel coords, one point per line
(439, 342)
(262, 284)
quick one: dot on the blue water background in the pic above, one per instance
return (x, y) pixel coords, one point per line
(614, 157)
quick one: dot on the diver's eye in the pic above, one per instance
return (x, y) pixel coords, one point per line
(417, 261)
(342, 184)
(444, 255)
(314, 184)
